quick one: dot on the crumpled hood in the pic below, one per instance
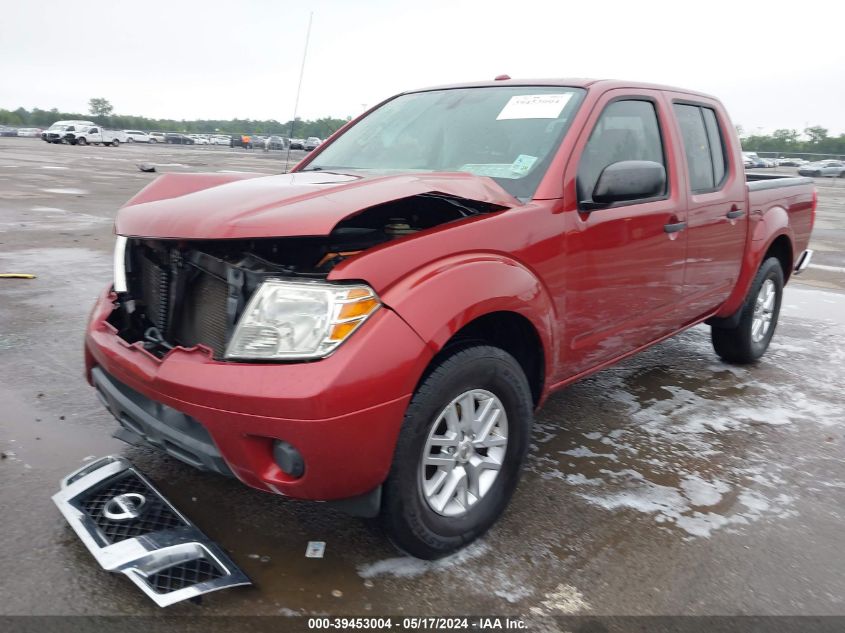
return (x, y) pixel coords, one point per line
(248, 205)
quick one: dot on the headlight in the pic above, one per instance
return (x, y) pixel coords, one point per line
(295, 319)
(120, 264)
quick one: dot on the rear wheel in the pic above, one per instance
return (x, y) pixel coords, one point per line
(748, 341)
(459, 452)
(130, 140)
(115, 143)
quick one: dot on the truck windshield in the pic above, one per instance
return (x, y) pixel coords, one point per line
(507, 133)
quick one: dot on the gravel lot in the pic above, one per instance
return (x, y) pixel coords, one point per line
(669, 484)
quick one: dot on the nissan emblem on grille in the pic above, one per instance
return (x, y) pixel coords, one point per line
(125, 507)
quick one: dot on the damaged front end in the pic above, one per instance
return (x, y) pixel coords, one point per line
(185, 293)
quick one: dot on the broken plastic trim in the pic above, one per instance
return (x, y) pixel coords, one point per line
(141, 535)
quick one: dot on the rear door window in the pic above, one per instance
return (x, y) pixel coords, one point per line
(626, 130)
(704, 147)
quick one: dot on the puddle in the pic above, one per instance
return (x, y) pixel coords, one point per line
(52, 219)
(692, 443)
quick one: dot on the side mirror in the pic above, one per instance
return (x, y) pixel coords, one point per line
(629, 180)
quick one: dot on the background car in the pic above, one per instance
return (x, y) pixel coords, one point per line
(8, 131)
(29, 131)
(174, 138)
(756, 161)
(297, 143)
(157, 137)
(137, 136)
(219, 139)
(199, 139)
(311, 143)
(834, 168)
(277, 142)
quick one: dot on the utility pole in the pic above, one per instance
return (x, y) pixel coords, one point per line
(299, 87)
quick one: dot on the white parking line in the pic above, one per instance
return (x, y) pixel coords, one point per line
(835, 269)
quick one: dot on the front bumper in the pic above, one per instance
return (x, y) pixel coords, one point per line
(342, 413)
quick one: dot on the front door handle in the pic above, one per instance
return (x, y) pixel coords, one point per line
(674, 228)
(733, 214)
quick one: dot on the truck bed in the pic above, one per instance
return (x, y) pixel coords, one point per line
(758, 182)
(771, 193)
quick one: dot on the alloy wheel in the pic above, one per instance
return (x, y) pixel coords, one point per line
(464, 452)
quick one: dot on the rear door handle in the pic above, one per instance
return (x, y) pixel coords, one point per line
(735, 213)
(674, 228)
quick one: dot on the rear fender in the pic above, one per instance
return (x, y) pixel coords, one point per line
(443, 296)
(766, 227)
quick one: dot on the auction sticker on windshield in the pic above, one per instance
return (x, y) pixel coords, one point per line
(534, 106)
(523, 164)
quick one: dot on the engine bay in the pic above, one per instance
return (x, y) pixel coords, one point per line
(191, 292)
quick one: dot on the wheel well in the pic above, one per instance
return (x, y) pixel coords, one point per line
(512, 333)
(782, 249)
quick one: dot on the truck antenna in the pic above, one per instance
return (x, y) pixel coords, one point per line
(299, 88)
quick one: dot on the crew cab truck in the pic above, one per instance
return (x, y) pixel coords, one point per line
(95, 135)
(377, 328)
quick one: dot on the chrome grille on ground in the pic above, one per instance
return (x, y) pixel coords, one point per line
(153, 516)
(183, 575)
(130, 528)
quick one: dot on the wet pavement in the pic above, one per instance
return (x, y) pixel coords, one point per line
(669, 484)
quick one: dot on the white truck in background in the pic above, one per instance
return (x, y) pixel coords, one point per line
(56, 132)
(95, 135)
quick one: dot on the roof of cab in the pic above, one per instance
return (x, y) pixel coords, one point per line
(604, 84)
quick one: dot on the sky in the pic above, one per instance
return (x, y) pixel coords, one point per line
(774, 64)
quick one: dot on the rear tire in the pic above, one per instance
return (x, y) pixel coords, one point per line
(488, 384)
(115, 143)
(750, 339)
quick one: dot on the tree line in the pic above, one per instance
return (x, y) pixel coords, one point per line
(814, 140)
(36, 117)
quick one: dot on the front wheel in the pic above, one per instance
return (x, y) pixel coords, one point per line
(81, 141)
(459, 452)
(748, 341)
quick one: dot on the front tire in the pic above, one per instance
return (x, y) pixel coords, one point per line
(749, 340)
(81, 141)
(459, 452)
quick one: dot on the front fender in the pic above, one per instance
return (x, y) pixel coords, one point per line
(443, 296)
(766, 226)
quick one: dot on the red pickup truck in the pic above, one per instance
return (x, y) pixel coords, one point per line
(377, 327)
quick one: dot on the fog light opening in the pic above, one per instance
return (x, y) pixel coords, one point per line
(288, 459)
